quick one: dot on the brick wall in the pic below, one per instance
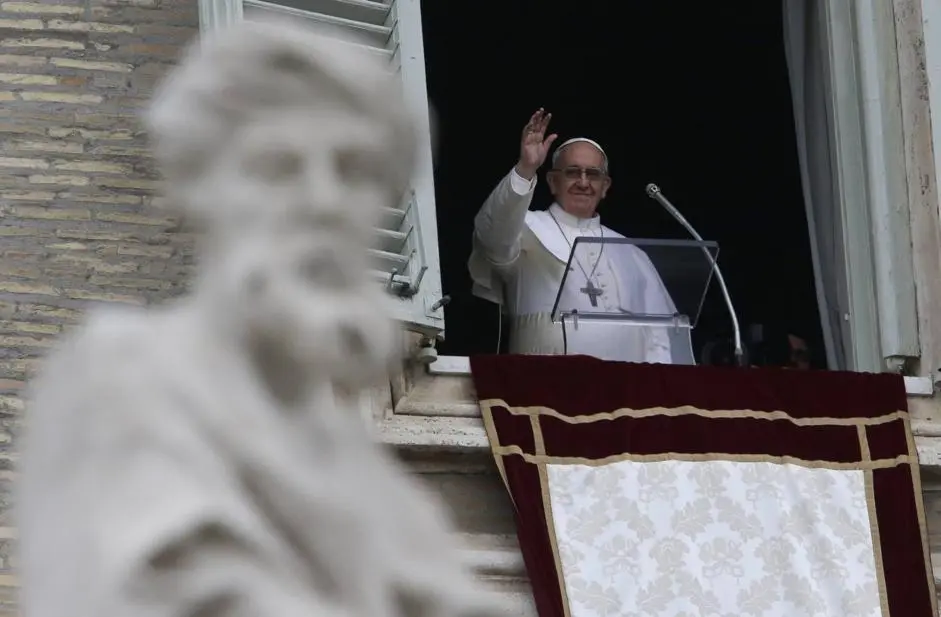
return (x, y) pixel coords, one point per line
(77, 187)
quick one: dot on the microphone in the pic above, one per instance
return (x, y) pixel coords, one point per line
(653, 191)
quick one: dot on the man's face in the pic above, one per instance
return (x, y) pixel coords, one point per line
(578, 180)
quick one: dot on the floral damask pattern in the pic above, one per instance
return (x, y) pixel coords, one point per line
(713, 539)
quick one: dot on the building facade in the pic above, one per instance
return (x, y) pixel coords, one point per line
(81, 223)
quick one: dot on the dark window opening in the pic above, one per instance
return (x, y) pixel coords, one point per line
(691, 96)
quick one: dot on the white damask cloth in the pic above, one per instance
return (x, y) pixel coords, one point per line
(713, 539)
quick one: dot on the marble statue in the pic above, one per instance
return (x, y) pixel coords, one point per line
(207, 458)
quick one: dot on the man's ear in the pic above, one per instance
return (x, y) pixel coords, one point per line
(605, 187)
(551, 177)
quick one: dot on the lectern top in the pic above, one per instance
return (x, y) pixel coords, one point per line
(644, 280)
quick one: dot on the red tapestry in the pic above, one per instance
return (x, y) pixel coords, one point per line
(665, 491)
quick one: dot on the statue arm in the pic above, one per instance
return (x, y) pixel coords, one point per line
(499, 224)
(213, 572)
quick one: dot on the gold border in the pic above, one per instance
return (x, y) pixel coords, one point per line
(920, 510)
(876, 543)
(542, 459)
(868, 486)
(487, 406)
(494, 438)
(540, 446)
(863, 444)
(867, 465)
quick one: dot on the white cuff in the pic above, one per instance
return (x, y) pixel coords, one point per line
(520, 185)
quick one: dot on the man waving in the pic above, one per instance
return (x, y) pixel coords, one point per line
(519, 256)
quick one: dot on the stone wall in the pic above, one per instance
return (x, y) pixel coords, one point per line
(79, 220)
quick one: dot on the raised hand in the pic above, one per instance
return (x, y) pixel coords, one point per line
(534, 144)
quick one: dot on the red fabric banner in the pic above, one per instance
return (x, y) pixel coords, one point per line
(674, 490)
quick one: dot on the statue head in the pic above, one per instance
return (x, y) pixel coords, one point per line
(284, 145)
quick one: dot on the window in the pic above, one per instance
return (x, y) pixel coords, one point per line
(862, 251)
(406, 249)
(866, 266)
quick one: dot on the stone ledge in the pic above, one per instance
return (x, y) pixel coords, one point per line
(493, 555)
(459, 366)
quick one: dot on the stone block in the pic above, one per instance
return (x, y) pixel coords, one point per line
(43, 42)
(37, 8)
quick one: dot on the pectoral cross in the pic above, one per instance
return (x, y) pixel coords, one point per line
(592, 292)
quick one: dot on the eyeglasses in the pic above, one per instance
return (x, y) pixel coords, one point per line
(594, 175)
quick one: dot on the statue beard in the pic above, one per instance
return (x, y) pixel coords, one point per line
(343, 337)
(315, 332)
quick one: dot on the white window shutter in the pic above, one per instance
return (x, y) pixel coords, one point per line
(406, 250)
(878, 285)
(890, 218)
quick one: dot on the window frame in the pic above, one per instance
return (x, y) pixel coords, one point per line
(931, 24)
(873, 188)
(422, 311)
(919, 38)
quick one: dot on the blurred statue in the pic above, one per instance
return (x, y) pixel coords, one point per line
(208, 458)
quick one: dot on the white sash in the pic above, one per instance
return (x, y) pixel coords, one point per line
(547, 231)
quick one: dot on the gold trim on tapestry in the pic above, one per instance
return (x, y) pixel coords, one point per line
(863, 443)
(539, 443)
(494, 438)
(920, 510)
(540, 446)
(488, 404)
(876, 542)
(542, 459)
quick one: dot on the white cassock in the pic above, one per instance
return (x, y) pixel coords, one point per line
(519, 258)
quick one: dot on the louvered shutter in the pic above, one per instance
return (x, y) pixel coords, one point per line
(405, 255)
